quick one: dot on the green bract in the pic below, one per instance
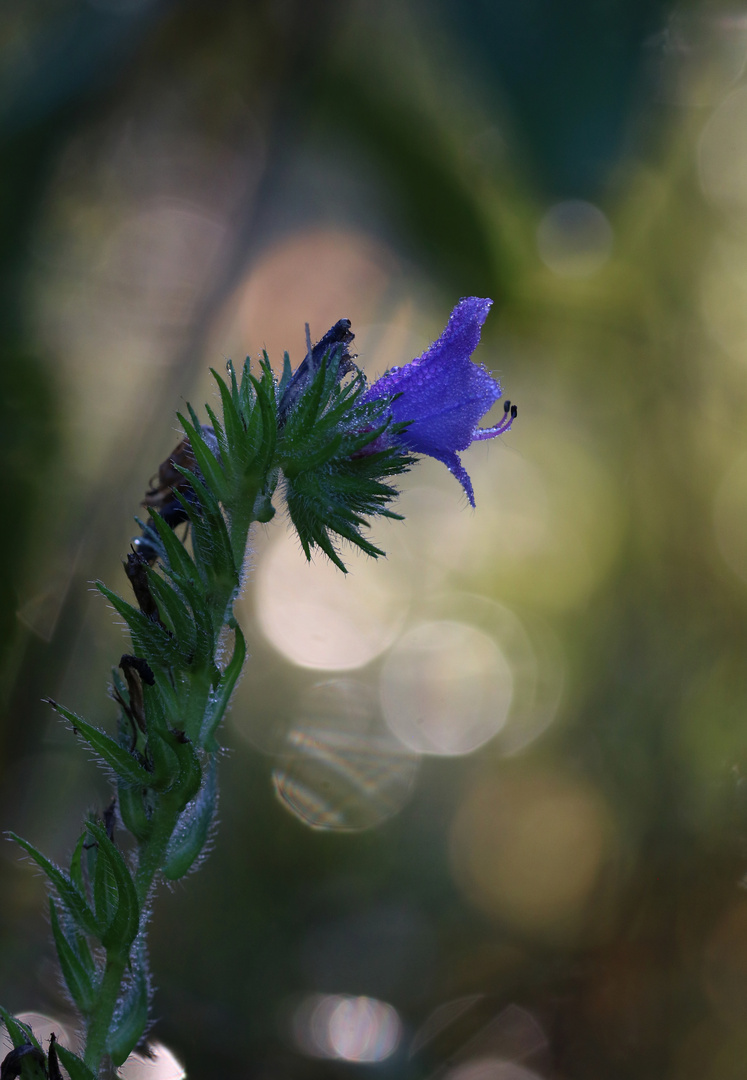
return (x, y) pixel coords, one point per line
(331, 486)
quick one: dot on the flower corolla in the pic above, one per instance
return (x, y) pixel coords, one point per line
(442, 395)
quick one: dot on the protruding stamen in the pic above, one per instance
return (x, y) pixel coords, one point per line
(509, 415)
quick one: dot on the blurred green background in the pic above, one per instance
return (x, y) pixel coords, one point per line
(484, 806)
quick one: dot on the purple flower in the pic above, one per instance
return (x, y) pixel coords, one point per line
(444, 395)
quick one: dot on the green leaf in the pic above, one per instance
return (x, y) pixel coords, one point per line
(181, 567)
(187, 783)
(206, 460)
(133, 812)
(210, 539)
(173, 611)
(76, 868)
(75, 904)
(220, 699)
(333, 486)
(27, 1059)
(130, 1019)
(20, 1034)
(125, 923)
(286, 376)
(76, 1069)
(247, 394)
(151, 641)
(74, 971)
(235, 396)
(105, 891)
(220, 435)
(193, 828)
(340, 498)
(263, 432)
(164, 765)
(171, 688)
(235, 430)
(115, 756)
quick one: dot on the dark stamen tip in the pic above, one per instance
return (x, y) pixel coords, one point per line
(506, 406)
(514, 411)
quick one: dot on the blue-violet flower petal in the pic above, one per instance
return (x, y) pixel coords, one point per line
(443, 395)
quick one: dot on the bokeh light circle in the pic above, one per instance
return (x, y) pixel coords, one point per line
(319, 618)
(158, 1063)
(446, 688)
(574, 239)
(531, 651)
(347, 1028)
(326, 273)
(528, 849)
(512, 527)
(548, 527)
(339, 766)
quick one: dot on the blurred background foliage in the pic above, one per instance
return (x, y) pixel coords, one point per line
(484, 813)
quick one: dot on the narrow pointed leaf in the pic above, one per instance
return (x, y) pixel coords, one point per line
(76, 1069)
(20, 1034)
(235, 431)
(151, 639)
(71, 898)
(116, 757)
(76, 868)
(174, 611)
(220, 435)
(124, 926)
(235, 396)
(77, 977)
(181, 567)
(193, 829)
(133, 812)
(189, 778)
(247, 398)
(286, 376)
(222, 697)
(206, 460)
(105, 890)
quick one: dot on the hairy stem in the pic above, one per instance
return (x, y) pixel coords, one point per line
(152, 852)
(103, 1012)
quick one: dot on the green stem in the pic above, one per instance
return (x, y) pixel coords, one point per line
(107, 1069)
(199, 692)
(151, 858)
(152, 852)
(240, 521)
(103, 1012)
